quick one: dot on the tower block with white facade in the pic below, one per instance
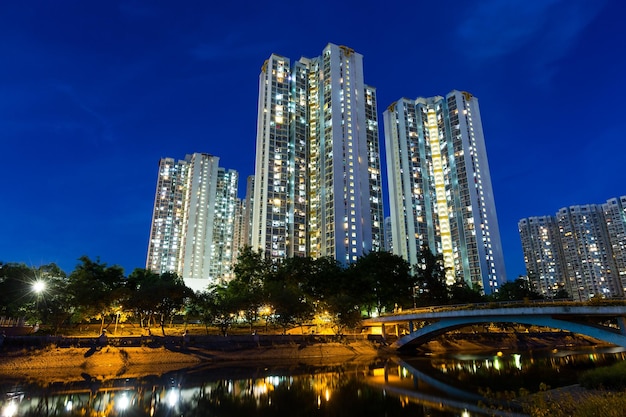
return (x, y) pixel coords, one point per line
(317, 175)
(193, 220)
(440, 188)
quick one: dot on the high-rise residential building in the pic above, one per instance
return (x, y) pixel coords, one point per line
(168, 219)
(615, 216)
(221, 260)
(589, 265)
(440, 191)
(543, 254)
(317, 176)
(192, 223)
(581, 249)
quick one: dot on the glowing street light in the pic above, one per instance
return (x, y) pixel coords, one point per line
(39, 286)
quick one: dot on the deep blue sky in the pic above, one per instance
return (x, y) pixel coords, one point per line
(93, 94)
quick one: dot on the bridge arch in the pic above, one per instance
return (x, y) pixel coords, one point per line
(446, 325)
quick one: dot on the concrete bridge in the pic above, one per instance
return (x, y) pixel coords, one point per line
(606, 323)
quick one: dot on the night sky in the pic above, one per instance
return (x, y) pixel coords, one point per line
(94, 93)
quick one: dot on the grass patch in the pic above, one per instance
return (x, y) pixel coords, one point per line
(580, 404)
(607, 377)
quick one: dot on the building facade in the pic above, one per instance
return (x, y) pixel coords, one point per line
(317, 189)
(615, 217)
(440, 191)
(168, 220)
(543, 254)
(192, 228)
(589, 265)
(585, 255)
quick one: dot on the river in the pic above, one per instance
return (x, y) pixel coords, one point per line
(452, 385)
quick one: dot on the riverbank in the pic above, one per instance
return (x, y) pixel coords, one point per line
(70, 364)
(74, 359)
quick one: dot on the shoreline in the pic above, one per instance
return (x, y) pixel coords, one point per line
(81, 359)
(71, 364)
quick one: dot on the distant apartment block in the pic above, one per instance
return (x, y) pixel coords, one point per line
(317, 182)
(440, 191)
(543, 254)
(243, 219)
(192, 227)
(584, 255)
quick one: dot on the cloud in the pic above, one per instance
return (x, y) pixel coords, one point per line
(544, 31)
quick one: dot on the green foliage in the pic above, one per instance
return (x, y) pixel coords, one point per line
(518, 290)
(246, 289)
(140, 295)
(16, 293)
(461, 293)
(18, 297)
(607, 377)
(285, 292)
(381, 281)
(150, 296)
(577, 404)
(562, 294)
(219, 305)
(96, 289)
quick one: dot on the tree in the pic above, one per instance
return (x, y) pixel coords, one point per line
(344, 311)
(461, 293)
(16, 291)
(216, 306)
(321, 278)
(431, 278)
(562, 294)
(140, 298)
(169, 295)
(381, 281)
(246, 289)
(96, 289)
(48, 304)
(518, 290)
(54, 304)
(285, 293)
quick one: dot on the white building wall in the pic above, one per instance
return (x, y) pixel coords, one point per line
(440, 189)
(338, 216)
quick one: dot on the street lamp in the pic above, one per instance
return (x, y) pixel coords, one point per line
(39, 287)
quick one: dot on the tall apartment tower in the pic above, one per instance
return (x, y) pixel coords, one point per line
(317, 176)
(543, 254)
(615, 216)
(168, 219)
(440, 190)
(192, 222)
(590, 267)
(222, 255)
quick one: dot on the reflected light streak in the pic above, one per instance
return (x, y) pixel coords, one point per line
(123, 402)
(172, 397)
(10, 410)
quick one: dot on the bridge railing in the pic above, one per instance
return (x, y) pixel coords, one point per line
(507, 304)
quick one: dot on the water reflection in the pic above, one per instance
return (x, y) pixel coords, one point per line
(435, 386)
